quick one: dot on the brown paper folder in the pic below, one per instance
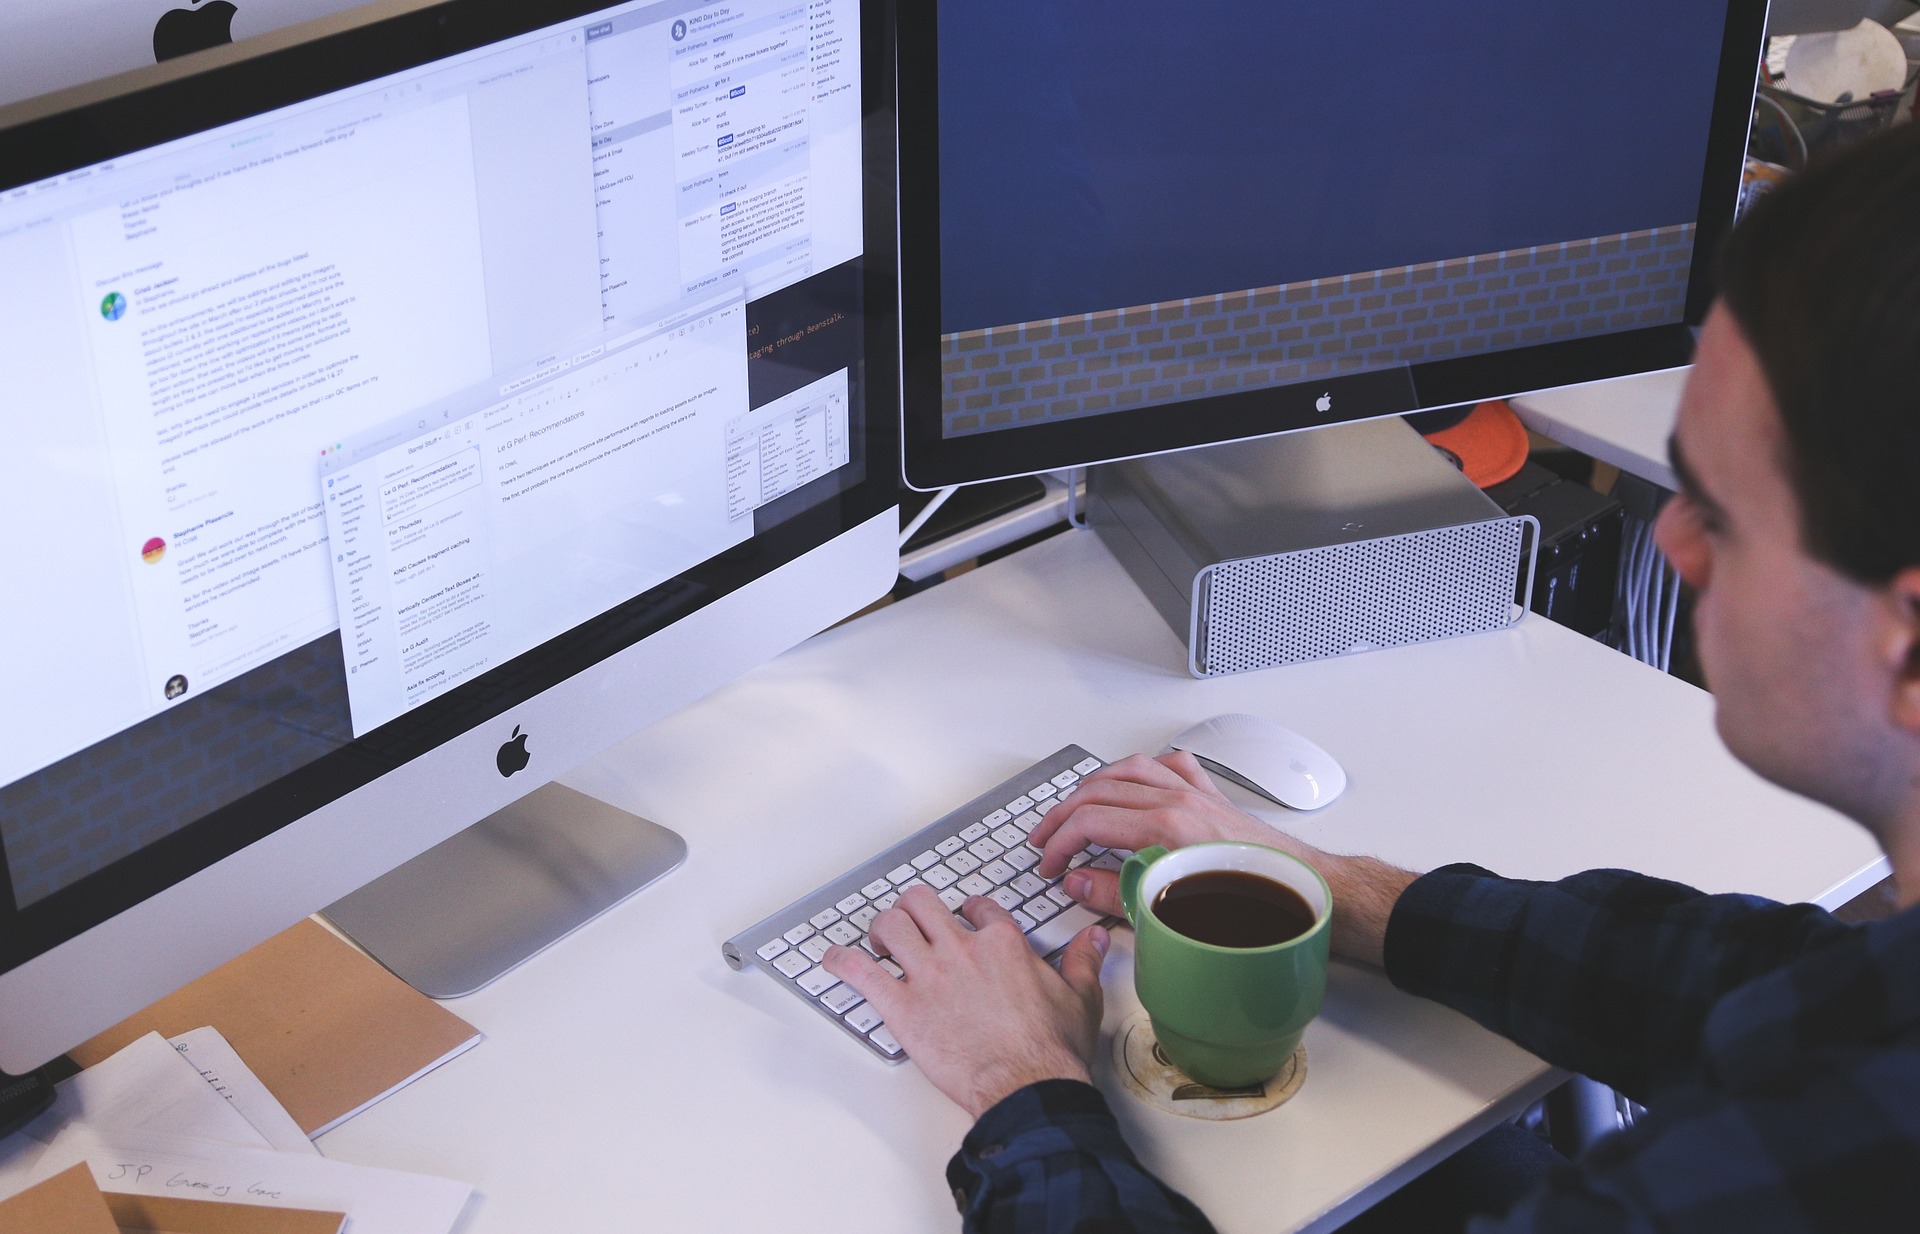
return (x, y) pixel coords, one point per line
(327, 1030)
(67, 1203)
(153, 1214)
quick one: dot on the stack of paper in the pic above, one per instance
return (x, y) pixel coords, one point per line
(188, 1119)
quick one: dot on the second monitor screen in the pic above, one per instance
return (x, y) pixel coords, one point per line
(1145, 203)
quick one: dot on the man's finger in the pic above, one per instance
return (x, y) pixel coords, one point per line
(928, 913)
(1080, 962)
(983, 912)
(1105, 825)
(1188, 768)
(897, 933)
(858, 969)
(1099, 890)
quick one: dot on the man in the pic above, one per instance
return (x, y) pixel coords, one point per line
(1777, 1050)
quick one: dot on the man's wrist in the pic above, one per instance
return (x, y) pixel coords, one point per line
(996, 1085)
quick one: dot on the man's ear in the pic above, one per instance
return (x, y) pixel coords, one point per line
(1903, 647)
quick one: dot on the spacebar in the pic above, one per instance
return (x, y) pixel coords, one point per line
(1056, 932)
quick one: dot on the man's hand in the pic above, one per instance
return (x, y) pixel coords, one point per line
(977, 1010)
(1172, 802)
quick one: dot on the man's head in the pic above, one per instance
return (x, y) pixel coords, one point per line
(1798, 445)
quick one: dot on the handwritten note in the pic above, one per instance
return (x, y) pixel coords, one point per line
(375, 1201)
(230, 1077)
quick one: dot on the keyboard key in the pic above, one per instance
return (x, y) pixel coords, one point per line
(1005, 897)
(892, 898)
(1021, 919)
(1042, 790)
(1031, 819)
(985, 848)
(792, 964)
(1043, 807)
(862, 919)
(953, 897)
(772, 949)
(797, 933)
(963, 863)
(1022, 857)
(999, 872)
(883, 1038)
(841, 998)
(1079, 859)
(939, 877)
(1066, 780)
(1007, 835)
(816, 980)
(1020, 805)
(1059, 896)
(816, 947)
(870, 947)
(878, 887)
(974, 831)
(852, 902)
(1087, 766)
(893, 970)
(824, 918)
(922, 862)
(949, 846)
(843, 932)
(899, 874)
(863, 1018)
(1040, 908)
(1108, 860)
(996, 818)
(1049, 936)
(1030, 884)
(974, 885)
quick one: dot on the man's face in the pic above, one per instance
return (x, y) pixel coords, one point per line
(1784, 641)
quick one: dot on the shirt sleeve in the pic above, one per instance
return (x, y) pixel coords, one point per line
(1606, 973)
(1050, 1158)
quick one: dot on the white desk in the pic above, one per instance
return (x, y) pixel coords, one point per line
(631, 1081)
(1625, 421)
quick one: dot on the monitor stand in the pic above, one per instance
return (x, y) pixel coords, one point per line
(475, 905)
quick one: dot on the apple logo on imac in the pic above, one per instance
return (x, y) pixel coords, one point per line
(513, 755)
(180, 31)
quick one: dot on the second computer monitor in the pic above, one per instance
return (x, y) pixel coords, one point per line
(1129, 227)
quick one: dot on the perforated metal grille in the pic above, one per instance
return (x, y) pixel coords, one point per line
(1322, 602)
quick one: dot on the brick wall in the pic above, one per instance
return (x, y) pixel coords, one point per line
(1272, 336)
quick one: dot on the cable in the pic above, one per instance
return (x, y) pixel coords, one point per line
(926, 512)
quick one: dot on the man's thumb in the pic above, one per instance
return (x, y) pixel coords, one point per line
(1080, 962)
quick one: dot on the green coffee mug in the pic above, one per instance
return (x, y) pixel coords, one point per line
(1227, 1016)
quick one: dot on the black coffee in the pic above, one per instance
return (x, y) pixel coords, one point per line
(1230, 908)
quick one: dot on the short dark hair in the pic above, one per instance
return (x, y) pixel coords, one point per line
(1823, 277)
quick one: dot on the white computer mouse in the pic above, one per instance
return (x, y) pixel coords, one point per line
(1268, 758)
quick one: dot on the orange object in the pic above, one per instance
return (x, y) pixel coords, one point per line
(1490, 445)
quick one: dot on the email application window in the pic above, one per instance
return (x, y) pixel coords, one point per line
(551, 244)
(459, 543)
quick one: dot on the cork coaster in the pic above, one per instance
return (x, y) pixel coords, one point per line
(1149, 1076)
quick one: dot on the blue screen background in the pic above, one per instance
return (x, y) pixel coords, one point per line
(1096, 154)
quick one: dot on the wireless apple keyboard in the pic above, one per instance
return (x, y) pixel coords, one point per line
(979, 849)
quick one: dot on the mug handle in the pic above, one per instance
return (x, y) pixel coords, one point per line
(1130, 875)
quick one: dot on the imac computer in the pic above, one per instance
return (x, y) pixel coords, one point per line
(398, 417)
(1148, 226)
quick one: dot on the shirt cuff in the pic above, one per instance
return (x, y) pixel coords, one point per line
(1449, 935)
(1041, 1120)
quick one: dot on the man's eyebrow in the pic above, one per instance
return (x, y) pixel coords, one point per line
(1689, 479)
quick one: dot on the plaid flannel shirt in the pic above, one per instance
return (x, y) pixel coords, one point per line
(1777, 1051)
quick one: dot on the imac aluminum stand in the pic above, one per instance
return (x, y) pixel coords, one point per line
(479, 903)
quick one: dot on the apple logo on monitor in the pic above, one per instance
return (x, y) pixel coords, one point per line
(1323, 404)
(180, 31)
(513, 755)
